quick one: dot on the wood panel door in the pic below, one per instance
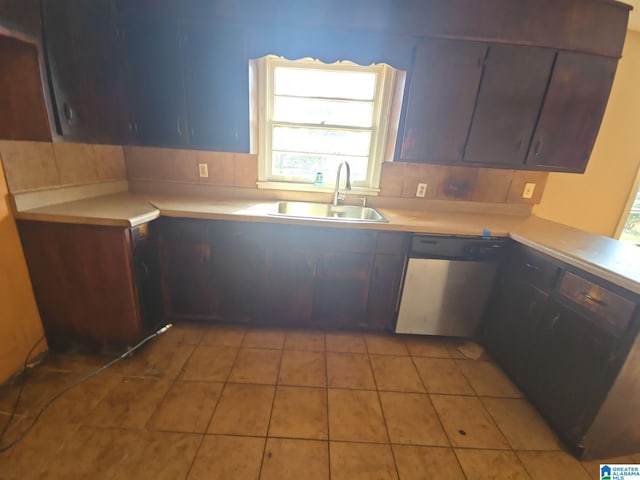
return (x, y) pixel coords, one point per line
(85, 65)
(511, 320)
(511, 92)
(572, 112)
(439, 105)
(189, 288)
(342, 288)
(216, 86)
(84, 283)
(155, 86)
(571, 357)
(384, 291)
(287, 294)
(239, 264)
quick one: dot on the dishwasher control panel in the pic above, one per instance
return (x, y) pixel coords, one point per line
(457, 248)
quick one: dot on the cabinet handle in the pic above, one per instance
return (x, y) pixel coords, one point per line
(68, 112)
(538, 147)
(179, 124)
(593, 299)
(144, 270)
(191, 132)
(554, 320)
(532, 267)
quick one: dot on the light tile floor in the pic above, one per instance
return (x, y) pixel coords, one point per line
(216, 402)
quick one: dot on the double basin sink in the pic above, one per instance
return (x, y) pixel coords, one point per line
(327, 211)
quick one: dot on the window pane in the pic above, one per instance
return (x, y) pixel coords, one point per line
(318, 140)
(303, 82)
(304, 166)
(631, 231)
(329, 112)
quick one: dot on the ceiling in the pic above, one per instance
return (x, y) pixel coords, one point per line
(634, 19)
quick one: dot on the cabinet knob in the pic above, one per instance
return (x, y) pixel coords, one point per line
(538, 147)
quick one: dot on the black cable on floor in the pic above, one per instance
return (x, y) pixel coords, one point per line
(5, 429)
(4, 448)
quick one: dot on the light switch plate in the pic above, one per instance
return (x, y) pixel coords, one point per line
(529, 188)
(422, 190)
(203, 170)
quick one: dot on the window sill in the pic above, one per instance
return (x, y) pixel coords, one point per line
(309, 187)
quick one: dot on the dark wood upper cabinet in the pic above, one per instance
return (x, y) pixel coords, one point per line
(22, 97)
(21, 16)
(216, 86)
(511, 92)
(439, 105)
(572, 112)
(155, 82)
(84, 62)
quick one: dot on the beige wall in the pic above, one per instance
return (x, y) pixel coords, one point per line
(596, 200)
(20, 325)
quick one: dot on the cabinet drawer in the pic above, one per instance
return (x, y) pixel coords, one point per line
(391, 243)
(613, 308)
(185, 229)
(534, 269)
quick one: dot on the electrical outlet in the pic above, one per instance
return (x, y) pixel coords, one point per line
(529, 188)
(203, 169)
(422, 190)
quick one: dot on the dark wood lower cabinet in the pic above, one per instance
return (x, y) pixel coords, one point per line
(96, 287)
(571, 356)
(281, 274)
(568, 340)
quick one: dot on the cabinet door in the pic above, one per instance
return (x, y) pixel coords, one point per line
(384, 291)
(83, 57)
(572, 356)
(572, 112)
(239, 263)
(217, 86)
(188, 281)
(341, 288)
(156, 97)
(513, 85)
(443, 88)
(511, 319)
(288, 286)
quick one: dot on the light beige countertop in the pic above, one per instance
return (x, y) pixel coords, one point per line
(118, 210)
(604, 257)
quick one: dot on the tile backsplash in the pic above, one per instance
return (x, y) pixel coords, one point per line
(40, 165)
(33, 166)
(488, 185)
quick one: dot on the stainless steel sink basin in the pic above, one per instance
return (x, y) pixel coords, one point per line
(325, 211)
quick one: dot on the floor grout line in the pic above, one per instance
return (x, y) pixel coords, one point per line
(273, 402)
(206, 429)
(384, 417)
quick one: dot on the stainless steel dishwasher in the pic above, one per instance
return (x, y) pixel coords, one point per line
(447, 284)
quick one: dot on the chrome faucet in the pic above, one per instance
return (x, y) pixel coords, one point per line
(337, 196)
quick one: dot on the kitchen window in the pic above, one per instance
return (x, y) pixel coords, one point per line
(312, 116)
(631, 228)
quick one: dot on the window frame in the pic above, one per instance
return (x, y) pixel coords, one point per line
(380, 129)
